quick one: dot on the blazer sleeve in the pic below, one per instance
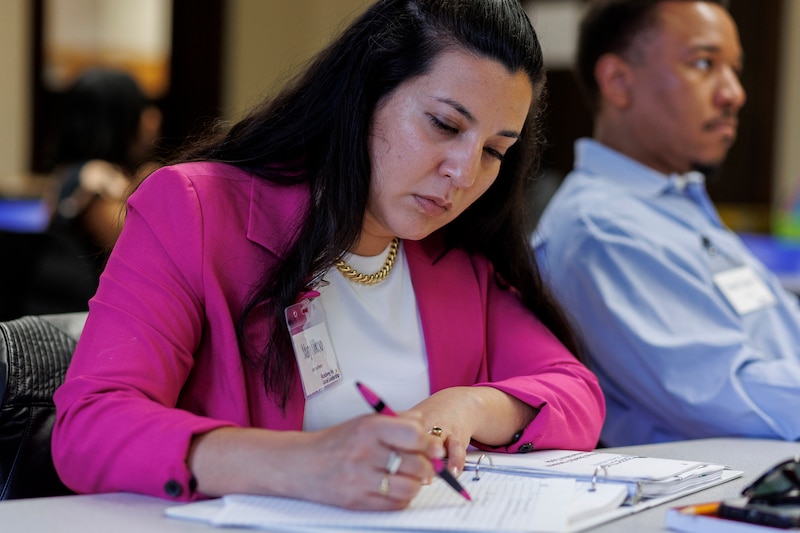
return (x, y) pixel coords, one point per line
(527, 361)
(118, 427)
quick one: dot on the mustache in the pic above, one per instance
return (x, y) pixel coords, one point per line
(728, 117)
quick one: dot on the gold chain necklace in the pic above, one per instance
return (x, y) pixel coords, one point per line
(370, 279)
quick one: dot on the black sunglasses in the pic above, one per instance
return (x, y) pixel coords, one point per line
(778, 485)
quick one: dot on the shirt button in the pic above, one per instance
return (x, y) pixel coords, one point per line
(526, 448)
(173, 488)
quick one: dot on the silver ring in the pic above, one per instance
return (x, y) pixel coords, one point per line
(383, 488)
(393, 464)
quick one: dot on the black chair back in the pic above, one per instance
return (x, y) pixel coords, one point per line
(35, 352)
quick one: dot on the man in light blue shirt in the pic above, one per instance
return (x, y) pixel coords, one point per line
(689, 334)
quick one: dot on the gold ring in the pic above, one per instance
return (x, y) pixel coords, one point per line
(436, 431)
(393, 464)
(383, 488)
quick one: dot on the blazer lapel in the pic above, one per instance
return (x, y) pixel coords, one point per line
(276, 212)
(449, 301)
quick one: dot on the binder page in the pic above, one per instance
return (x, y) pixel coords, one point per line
(500, 503)
(587, 464)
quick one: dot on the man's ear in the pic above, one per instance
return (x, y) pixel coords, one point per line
(614, 79)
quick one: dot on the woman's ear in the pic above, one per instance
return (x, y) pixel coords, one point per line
(614, 77)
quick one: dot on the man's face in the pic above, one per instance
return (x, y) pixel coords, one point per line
(685, 89)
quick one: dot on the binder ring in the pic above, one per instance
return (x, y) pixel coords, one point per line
(477, 475)
(594, 476)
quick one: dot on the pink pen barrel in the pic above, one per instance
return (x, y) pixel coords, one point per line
(438, 465)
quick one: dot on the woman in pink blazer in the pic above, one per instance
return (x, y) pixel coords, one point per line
(234, 315)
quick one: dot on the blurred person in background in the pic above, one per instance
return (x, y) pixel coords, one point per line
(690, 335)
(106, 132)
(106, 135)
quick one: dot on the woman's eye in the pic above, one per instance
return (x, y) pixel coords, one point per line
(438, 124)
(496, 154)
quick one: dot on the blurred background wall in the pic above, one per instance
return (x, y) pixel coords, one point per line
(254, 43)
(787, 147)
(266, 40)
(14, 88)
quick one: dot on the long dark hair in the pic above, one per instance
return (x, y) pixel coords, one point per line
(316, 131)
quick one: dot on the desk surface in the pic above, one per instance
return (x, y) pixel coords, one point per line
(130, 513)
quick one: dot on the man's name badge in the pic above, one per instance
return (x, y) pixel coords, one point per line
(745, 291)
(313, 349)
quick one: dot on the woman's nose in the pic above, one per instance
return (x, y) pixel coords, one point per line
(461, 166)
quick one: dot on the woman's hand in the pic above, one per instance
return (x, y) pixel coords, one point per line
(346, 465)
(365, 447)
(484, 414)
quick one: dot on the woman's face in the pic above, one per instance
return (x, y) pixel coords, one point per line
(437, 143)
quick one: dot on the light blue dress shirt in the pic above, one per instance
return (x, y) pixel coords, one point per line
(631, 254)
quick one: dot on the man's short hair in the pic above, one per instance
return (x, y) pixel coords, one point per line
(610, 26)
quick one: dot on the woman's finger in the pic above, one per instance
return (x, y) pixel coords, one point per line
(398, 490)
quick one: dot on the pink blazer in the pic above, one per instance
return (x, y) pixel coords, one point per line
(159, 361)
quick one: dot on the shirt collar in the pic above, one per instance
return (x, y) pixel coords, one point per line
(600, 161)
(681, 181)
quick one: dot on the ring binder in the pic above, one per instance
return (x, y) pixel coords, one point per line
(477, 475)
(546, 490)
(645, 477)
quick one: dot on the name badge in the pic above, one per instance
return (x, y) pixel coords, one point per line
(313, 349)
(744, 290)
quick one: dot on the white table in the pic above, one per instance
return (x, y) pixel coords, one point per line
(131, 513)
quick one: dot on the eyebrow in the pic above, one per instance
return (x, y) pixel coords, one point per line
(467, 115)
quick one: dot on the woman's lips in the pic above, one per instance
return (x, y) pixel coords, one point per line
(432, 206)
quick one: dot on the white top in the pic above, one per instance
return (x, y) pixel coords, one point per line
(377, 337)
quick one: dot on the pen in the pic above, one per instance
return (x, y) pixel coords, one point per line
(701, 509)
(438, 465)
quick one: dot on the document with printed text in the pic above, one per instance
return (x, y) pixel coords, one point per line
(499, 504)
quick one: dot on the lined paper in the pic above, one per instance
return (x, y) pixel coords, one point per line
(499, 504)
